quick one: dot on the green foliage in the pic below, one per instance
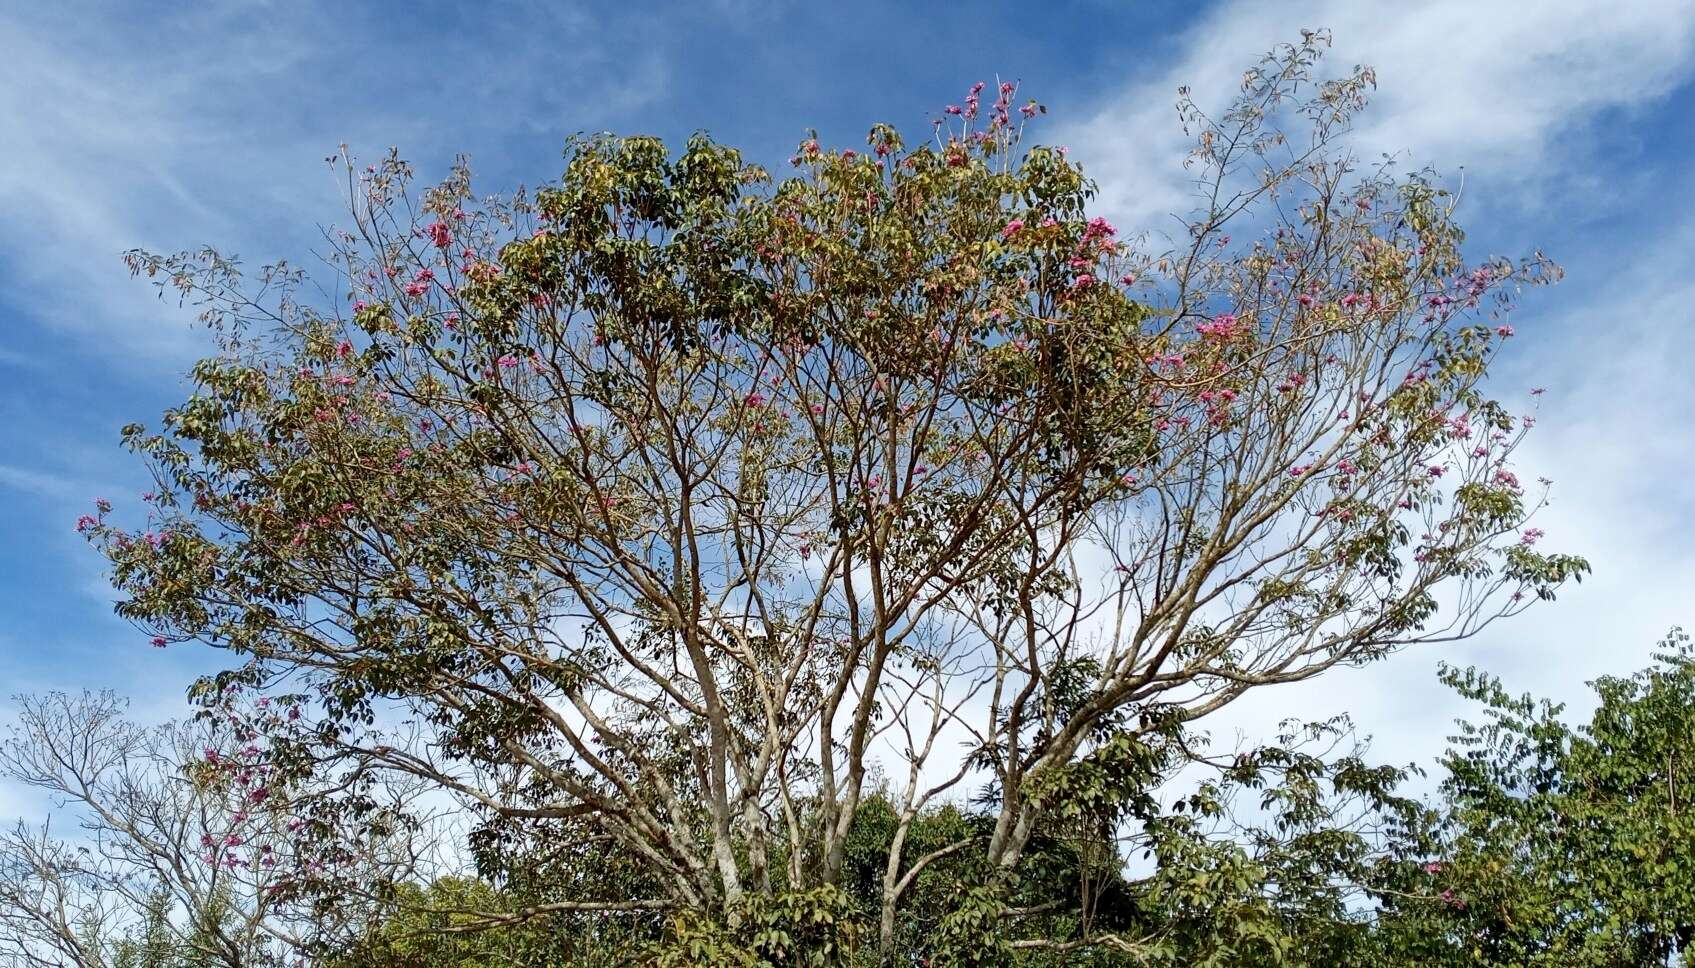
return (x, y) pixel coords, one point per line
(805, 929)
(153, 943)
(1555, 845)
(457, 922)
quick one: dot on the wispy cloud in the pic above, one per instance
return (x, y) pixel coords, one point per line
(1493, 86)
(180, 126)
(45, 484)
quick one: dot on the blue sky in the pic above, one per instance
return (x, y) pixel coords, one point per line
(169, 126)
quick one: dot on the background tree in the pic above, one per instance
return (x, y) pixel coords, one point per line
(174, 846)
(669, 501)
(160, 867)
(1556, 845)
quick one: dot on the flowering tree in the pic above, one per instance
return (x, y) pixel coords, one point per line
(178, 844)
(152, 855)
(676, 504)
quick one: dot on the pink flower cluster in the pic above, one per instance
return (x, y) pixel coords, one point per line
(1222, 327)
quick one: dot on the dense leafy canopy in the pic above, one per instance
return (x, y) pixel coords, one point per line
(1557, 845)
(837, 568)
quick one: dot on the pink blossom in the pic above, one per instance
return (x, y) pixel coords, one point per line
(1531, 536)
(158, 641)
(1012, 228)
(507, 362)
(1222, 326)
(440, 235)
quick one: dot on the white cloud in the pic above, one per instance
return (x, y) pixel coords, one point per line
(209, 124)
(1493, 86)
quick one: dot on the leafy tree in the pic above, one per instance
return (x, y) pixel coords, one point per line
(1261, 862)
(1556, 845)
(1281, 889)
(446, 924)
(665, 503)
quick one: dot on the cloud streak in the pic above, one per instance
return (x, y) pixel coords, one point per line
(170, 129)
(1497, 87)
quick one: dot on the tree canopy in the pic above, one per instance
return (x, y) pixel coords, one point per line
(833, 565)
(1560, 845)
